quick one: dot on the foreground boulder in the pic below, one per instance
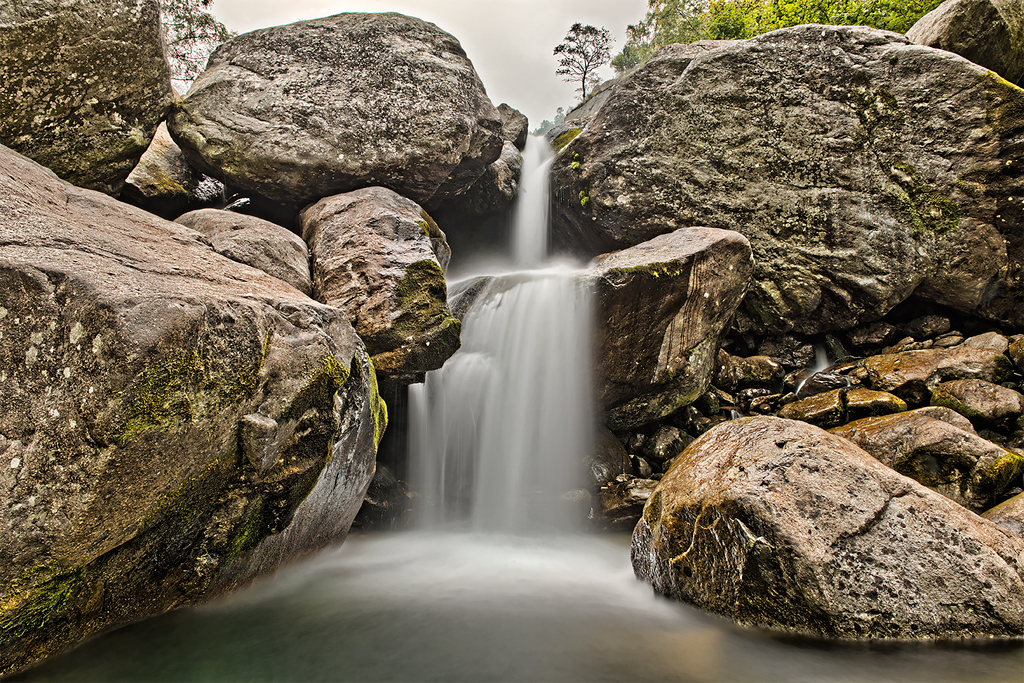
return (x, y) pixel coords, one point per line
(661, 310)
(312, 109)
(380, 257)
(173, 423)
(781, 525)
(83, 85)
(816, 143)
(987, 32)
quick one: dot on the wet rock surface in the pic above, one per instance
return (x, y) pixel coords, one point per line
(174, 423)
(779, 524)
(816, 143)
(83, 85)
(321, 107)
(380, 257)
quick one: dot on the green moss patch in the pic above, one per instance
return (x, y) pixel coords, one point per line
(922, 207)
(1004, 105)
(34, 599)
(563, 140)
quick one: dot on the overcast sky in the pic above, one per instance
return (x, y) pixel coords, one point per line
(509, 41)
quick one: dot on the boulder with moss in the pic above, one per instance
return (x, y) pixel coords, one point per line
(326, 106)
(661, 310)
(174, 423)
(781, 525)
(83, 85)
(381, 258)
(861, 167)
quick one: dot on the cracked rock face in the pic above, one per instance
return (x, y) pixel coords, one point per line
(782, 525)
(312, 109)
(83, 85)
(862, 168)
(172, 423)
(661, 309)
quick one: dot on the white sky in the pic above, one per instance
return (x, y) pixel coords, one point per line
(510, 42)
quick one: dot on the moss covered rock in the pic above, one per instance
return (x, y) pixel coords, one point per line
(83, 85)
(380, 258)
(781, 525)
(173, 423)
(861, 167)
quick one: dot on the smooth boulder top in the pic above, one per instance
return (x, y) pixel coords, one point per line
(861, 167)
(316, 108)
(83, 85)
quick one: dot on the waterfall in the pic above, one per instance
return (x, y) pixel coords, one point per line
(532, 210)
(499, 434)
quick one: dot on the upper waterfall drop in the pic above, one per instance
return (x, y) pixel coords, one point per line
(533, 207)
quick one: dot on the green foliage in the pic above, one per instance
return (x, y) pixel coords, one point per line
(686, 21)
(190, 35)
(583, 50)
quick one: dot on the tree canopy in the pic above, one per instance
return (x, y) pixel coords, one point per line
(190, 35)
(584, 49)
(686, 21)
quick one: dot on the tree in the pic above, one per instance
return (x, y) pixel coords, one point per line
(584, 49)
(190, 35)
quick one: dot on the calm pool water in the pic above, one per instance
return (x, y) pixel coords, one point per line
(462, 607)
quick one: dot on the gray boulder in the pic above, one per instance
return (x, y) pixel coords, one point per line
(380, 258)
(781, 525)
(165, 183)
(987, 32)
(174, 423)
(83, 85)
(607, 460)
(984, 403)
(255, 242)
(832, 151)
(493, 191)
(515, 127)
(941, 455)
(662, 308)
(317, 108)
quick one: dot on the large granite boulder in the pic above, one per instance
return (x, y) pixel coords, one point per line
(165, 183)
(914, 375)
(987, 32)
(317, 108)
(861, 167)
(782, 525)
(255, 242)
(661, 309)
(934, 451)
(984, 403)
(381, 258)
(83, 85)
(515, 127)
(173, 423)
(493, 191)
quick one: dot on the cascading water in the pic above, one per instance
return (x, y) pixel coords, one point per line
(493, 426)
(499, 433)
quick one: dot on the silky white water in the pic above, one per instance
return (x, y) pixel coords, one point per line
(498, 593)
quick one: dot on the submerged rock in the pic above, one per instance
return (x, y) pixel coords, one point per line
(380, 257)
(83, 85)
(317, 108)
(661, 310)
(939, 454)
(779, 524)
(173, 424)
(255, 242)
(830, 149)
(987, 32)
